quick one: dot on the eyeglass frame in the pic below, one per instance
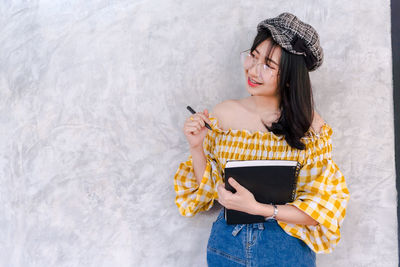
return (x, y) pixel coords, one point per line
(265, 66)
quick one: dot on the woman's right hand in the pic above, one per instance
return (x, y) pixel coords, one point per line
(195, 130)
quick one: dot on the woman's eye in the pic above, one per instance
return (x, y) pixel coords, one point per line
(269, 66)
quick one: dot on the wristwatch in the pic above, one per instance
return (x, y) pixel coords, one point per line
(275, 213)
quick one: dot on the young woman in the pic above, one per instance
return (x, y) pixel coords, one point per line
(277, 121)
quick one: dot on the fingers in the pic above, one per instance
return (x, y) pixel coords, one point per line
(195, 121)
(221, 193)
(194, 126)
(235, 184)
(201, 116)
(220, 187)
(224, 196)
(199, 120)
(193, 130)
(204, 117)
(194, 118)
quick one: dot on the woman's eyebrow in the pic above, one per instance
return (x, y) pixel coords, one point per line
(269, 59)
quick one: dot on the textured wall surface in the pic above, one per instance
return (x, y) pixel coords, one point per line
(93, 97)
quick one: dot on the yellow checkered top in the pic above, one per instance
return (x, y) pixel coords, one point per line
(321, 188)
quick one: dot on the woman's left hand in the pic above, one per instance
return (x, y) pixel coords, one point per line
(243, 200)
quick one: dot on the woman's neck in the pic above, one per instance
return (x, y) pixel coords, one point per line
(265, 104)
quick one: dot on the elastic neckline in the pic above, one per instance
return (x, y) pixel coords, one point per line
(325, 130)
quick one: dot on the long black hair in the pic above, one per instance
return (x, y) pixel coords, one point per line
(296, 98)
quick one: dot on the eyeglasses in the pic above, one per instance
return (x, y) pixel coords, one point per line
(263, 70)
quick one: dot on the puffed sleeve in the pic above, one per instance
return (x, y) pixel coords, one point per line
(322, 193)
(192, 197)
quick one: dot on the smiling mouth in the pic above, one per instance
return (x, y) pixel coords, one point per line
(252, 83)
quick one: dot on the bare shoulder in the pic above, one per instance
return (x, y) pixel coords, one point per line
(224, 112)
(317, 123)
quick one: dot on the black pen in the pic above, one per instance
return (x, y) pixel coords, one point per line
(193, 112)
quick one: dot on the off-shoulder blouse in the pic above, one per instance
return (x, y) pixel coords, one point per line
(321, 189)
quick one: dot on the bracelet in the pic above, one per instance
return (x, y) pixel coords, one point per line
(275, 213)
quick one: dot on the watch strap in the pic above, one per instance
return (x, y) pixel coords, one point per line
(275, 213)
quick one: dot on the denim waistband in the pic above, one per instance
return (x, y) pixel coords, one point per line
(239, 227)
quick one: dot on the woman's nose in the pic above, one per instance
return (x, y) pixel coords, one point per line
(253, 71)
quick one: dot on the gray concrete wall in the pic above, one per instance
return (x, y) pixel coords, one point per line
(93, 97)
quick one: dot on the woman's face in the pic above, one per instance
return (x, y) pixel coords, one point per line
(260, 81)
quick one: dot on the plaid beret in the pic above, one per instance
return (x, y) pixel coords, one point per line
(296, 37)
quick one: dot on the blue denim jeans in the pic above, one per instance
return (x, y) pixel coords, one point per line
(257, 244)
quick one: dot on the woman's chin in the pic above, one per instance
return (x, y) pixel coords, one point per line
(251, 90)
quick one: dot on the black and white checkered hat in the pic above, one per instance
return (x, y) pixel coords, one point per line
(296, 37)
